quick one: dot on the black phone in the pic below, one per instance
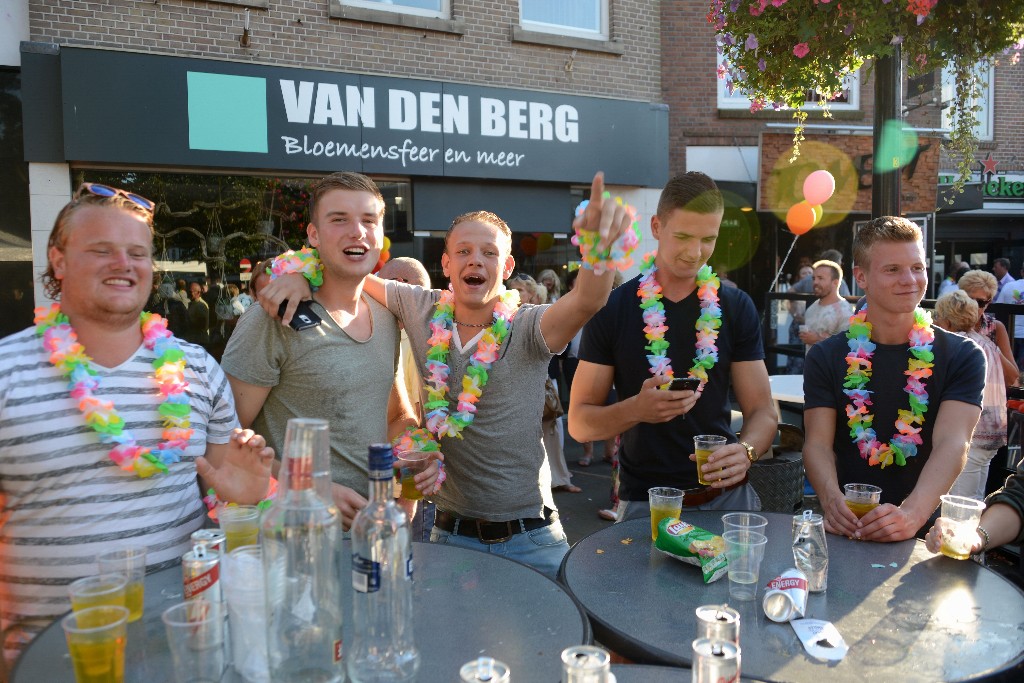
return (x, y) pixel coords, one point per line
(684, 384)
(304, 317)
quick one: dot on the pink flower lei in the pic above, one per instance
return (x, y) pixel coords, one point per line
(707, 324)
(439, 421)
(858, 373)
(70, 359)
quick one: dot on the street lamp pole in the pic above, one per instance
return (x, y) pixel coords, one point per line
(885, 184)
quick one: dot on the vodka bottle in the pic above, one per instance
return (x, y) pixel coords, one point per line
(302, 563)
(382, 646)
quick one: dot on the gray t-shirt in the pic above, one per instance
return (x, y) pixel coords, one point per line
(498, 470)
(320, 372)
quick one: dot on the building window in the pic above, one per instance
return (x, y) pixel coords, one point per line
(983, 129)
(424, 8)
(578, 18)
(849, 100)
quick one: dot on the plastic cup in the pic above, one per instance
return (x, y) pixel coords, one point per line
(745, 550)
(131, 562)
(411, 463)
(240, 524)
(246, 600)
(96, 638)
(703, 446)
(862, 498)
(744, 520)
(665, 502)
(195, 635)
(960, 517)
(98, 591)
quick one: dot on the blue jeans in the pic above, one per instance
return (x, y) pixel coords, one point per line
(542, 549)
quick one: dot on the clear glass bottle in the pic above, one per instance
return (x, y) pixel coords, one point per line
(302, 563)
(381, 646)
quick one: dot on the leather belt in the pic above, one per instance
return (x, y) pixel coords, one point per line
(491, 532)
(706, 494)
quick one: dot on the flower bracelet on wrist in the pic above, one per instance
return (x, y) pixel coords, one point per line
(305, 261)
(619, 255)
(212, 501)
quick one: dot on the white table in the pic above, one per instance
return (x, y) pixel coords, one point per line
(788, 388)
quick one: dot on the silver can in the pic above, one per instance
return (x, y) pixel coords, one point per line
(209, 540)
(810, 550)
(715, 661)
(718, 622)
(585, 664)
(785, 596)
(485, 669)
(201, 577)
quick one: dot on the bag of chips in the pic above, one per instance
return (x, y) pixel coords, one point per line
(693, 545)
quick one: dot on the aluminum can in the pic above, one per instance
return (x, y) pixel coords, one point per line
(210, 539)
(201, 576)
(786, 596)
(715, 661)
(485, 669)
(810, 550)
(718, 622)
(586, 664)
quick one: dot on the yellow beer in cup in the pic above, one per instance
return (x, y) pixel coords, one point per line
(96, 638)
(665, 502)
(97, 591)
(131, 562)
(703, 446)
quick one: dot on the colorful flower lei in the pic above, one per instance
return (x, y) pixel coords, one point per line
(707, 324)
(619, 255)
(70, 359)
(305, 261)
(858, 373)
(439, 422)
(1018, 298)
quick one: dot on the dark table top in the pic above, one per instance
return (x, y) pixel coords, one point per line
(467, 604)
(928, 618)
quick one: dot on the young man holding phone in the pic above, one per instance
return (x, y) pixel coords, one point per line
(654, 328)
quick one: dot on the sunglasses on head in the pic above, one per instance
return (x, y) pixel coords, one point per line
(982, 303)
(106, 191)
(522, 276)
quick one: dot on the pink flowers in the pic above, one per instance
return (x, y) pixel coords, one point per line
(801, 50)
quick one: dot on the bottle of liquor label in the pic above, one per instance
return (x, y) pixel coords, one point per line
(365, 574)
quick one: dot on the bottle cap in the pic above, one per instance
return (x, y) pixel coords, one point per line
(381, 457)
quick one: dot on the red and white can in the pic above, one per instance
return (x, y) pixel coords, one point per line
(718, 622)
(715, 661)
(786, 596)
(201, 575)
(210, 540)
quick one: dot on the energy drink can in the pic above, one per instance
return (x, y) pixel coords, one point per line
(485, 669)
(201, 575)
(786, 596)
(715, 661)
(718, 622)
(211, 539)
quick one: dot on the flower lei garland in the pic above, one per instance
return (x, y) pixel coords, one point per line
(70, 359)
(439, 422)
(707, 324)
(919, 367)
(305, 261)
(619, 255)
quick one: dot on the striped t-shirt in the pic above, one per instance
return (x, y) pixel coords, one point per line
(63, 501)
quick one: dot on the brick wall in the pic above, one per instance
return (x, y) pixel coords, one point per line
(299, 33)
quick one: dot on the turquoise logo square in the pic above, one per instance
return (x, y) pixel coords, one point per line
(227, 113)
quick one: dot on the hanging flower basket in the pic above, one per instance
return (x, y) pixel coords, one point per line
(776, 51)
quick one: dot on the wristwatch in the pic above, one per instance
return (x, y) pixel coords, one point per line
(751, 453)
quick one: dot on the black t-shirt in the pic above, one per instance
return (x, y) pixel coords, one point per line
(958, 375)
(658, 454)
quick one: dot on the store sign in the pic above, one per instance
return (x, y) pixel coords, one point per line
(196, 112)
(997, 188)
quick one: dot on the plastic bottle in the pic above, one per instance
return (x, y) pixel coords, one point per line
(382, 647)
(302, 563)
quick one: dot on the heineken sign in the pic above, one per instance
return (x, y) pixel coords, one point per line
(998, 188)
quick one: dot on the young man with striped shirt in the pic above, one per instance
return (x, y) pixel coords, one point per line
(70, 490)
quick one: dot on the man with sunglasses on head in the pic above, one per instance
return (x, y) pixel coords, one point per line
(106, 420)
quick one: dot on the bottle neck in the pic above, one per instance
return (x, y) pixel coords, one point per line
(381, 489)
(300, 473)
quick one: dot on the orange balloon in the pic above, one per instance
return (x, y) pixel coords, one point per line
(385, 256)
(800, 218)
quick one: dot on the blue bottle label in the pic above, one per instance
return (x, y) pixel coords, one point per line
(408, 567)
(365, 574)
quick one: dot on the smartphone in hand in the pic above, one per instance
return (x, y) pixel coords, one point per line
(304, 317)
(684, 384)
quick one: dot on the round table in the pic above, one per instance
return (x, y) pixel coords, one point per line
(466, 604)
(916, 617)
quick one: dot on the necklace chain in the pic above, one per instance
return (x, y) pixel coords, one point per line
(458, 322)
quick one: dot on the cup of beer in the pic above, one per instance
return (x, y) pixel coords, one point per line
(703, 446)
(96, 638)
(960, 517)
(862, 498)
(409, 464)
(240, 524)
(665, 502)
(130, 561)
(96, 591)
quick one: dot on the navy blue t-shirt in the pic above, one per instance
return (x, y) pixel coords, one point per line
(958, 375)
(658, 454)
